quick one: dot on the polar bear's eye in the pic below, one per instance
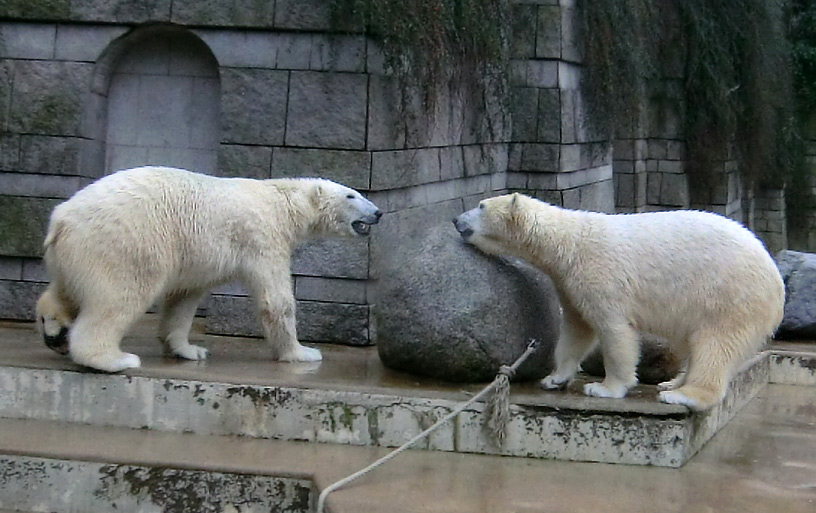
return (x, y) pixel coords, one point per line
(350, 196)
(481, 206)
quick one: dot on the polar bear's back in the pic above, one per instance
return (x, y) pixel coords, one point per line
(152, 221)
(687, 263)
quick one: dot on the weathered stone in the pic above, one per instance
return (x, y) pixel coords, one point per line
(799, 273)
(303, 14)
(548, 32)
(121, 11)
(23, 222)
(35, 9)
(522, 31)
(17, 299)
(316, 321)
(524, 110)
(327, 110)
(338, 53)
(253, 110)
(49, 155)
(351, 168)
(658, 362)
(445, 310)
(393, 169)
(43, 186)
(339, 258)
(48, 97)
(9, 152)
(83, 42)
(549, 116)
(244, 161)
(229, 13)
(27, 41)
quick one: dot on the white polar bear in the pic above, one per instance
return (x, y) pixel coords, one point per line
(698, 279)
(157, 233)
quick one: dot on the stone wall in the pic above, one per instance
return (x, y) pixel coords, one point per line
(268, 89)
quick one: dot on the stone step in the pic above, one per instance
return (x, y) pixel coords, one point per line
(50, 466)
(349, 398)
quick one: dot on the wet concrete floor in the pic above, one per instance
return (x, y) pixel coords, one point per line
(762, 461)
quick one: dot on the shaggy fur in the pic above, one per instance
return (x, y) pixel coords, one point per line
(698, 279)
(153, 233)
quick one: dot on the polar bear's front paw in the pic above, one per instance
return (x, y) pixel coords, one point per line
(601, 390)
(302, 354)
(554, 382)
(673, 384)
(191, 352)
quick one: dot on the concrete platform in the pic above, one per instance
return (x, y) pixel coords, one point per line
(763, 461)
(349, 398)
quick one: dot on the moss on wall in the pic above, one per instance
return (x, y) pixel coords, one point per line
(23, 223)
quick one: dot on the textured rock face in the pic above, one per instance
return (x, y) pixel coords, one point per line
(799, 273)
(445, 310)
(657, 363)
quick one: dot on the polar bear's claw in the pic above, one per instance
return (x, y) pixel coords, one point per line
(191, 352)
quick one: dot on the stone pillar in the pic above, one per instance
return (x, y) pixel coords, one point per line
(553, 155)
(768, 218)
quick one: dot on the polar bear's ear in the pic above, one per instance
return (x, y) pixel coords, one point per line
(317, 194)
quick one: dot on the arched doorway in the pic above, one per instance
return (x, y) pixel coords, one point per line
(163, 104)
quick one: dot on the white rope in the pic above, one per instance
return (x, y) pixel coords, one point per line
(505, 373)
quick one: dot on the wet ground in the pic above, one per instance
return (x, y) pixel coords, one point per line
(762, 461)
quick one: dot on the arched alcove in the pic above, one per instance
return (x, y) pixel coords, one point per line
(163, 102)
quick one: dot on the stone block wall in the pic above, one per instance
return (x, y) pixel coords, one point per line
(553, 155)
(268, 89)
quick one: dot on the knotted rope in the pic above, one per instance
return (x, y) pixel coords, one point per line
(497, 411)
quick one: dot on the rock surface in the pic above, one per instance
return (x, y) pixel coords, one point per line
(799, 273)
(447, 311)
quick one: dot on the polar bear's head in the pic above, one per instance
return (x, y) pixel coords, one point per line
(493, 225)
(342, 210)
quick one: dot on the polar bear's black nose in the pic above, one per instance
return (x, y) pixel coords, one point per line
(378, 214)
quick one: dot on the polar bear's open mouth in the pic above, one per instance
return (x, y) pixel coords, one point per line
(361, 227)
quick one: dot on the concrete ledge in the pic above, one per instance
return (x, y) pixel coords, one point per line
(637, 430)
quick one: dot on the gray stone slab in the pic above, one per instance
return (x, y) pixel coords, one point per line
(522, 31)
(48, 97)
(244, 161)
(38, 484)
(332, 290)
(338, 53)
(83, 42)
(120, 11)
(9, 152)
(23, 222)
(327, 110)
(11, 268)
(339, 258)
(36, 9)
(485, 159)
(242, 49)
(27, 40)
(548, 32)
(524, 110)
(303, 14)
(17, 299)
(394, 169)
(39, 186)
(791, 367)
(229, 13)
(386, 128)
(316, 321)
(50, 155)
(253, 110)
(351, 168)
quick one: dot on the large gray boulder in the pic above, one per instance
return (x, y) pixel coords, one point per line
(799, 273)
(445, 310)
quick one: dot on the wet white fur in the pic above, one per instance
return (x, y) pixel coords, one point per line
(151, 233)
(700, 280)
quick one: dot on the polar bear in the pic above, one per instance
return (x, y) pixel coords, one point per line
(698, 279)
(158, 233)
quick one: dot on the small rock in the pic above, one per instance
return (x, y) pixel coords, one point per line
(799, 274)
(447, 311)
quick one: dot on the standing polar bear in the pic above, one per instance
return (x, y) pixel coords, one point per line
(700, 280)
(161, 233)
